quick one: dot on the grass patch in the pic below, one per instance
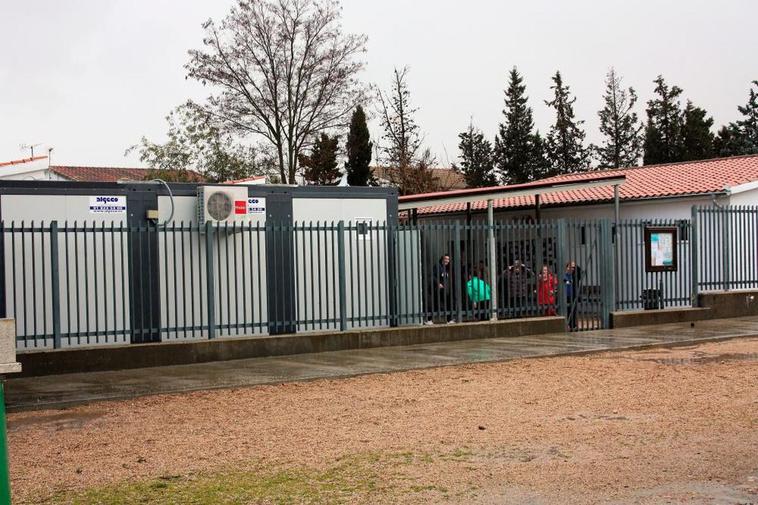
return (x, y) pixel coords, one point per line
(350, 480)
(357, 478)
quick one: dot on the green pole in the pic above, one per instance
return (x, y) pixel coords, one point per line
(5, 482)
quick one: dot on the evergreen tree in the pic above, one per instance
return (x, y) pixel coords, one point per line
(518, 153)
(740, 137)
(749, 125)
(697, 138)
(477, 160)
(729, 142)
(358, 149)
(565, 141)
(619, 125)
(663, 134)
(321, 166)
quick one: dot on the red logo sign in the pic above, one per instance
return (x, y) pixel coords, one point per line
(240, 206)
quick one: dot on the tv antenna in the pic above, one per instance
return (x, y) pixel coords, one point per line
(31, 147)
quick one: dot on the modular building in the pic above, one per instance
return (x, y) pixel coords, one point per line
(104, 263)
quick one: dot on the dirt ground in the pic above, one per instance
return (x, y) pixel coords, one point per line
(657, 426)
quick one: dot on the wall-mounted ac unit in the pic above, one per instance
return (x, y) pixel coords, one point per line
(228, 204)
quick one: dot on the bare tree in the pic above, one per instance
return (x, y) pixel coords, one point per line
(283, 70)
(407, 170)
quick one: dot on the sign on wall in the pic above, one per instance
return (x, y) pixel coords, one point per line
(107, 205)
(660, 249)
(256, 205)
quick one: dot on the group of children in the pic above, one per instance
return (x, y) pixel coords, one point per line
(479, 292)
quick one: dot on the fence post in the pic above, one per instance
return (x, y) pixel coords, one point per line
(694, 259)
(210, 287)
(493, 259)
(607, 264)
(460, 282)
(726, 247)
(342, 283)
(391, 232)
(55, 285)
(560, 258)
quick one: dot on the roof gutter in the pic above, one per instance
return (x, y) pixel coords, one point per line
(499, 192)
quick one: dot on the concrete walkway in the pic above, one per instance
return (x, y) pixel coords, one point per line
(59, 391)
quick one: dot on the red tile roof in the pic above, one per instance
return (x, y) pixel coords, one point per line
(645, 182)
(246, 179)
(109, 174)
(22, 161)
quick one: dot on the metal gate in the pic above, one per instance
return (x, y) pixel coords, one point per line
(588, 274)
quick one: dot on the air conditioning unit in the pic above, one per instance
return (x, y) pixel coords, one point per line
(228, 204)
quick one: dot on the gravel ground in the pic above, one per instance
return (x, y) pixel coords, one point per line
(677, 425)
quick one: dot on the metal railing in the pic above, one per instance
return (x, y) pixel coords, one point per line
(727, 252)
(638, 289)
(80, 284)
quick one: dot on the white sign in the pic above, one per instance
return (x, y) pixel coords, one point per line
(107, 205)
(661, 249)
(256, 205)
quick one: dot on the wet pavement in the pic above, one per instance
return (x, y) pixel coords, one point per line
(59, 391)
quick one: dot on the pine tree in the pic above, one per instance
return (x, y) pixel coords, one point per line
(697, 138)
(518, 154)
(740, 137)
(619, 125)
(358, 149)
(477, 161)
(663, 134)
(321, 166)
(565, 141)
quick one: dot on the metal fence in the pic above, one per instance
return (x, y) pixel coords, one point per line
(638, 289)
(92, 283)
(727, 252)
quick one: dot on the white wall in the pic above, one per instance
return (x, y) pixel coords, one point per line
(30, 171)
(317, 267)
(99, 300)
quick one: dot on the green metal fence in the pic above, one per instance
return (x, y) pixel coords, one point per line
(637, 288)
(727, 251)
(80, 284)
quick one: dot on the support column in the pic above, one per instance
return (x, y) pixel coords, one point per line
(615, 234)
(493, 258)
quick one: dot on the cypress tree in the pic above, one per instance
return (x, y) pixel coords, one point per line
(663, 134)
(740, 137)
(321, 166)
(749, 124)
(729, 142)
(517, 148)
(358, 148)
(477, 160)
(565, 140)
(697, 138)
(619, 125)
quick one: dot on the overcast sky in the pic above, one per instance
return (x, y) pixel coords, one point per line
(90, 77)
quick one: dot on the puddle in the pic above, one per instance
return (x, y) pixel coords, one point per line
(56, 422)
(706, 359)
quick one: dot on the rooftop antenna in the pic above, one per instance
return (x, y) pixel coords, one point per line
(31, 147)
